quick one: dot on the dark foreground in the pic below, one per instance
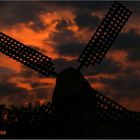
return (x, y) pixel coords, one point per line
(41, 121)
(77, 111)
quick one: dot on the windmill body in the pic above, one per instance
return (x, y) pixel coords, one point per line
(79, 110)
(86, 113)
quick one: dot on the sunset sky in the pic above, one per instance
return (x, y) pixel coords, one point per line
(61, 30)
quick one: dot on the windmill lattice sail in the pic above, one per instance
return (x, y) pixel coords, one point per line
(105, 35)
(127, 121)
(26, 55)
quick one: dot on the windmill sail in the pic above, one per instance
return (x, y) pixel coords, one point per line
(105, 35)
(26, 55)
(108, 110)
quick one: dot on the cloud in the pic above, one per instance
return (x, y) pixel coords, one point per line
(6, 72)
(107, 66)
(64, 64)
(71, 49)
(38, 84)
(60, 30)
(21, 12)
(63, 36)
(17, 89)
(28, 73)
(62, 25)
(83, 5)
(7, 88)
(134, 55)
(42, 95)
(123, 84)
(128, 40)
(13, 93)
(85, 19)
(117, 77)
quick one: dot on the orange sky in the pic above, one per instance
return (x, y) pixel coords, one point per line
(43, 39)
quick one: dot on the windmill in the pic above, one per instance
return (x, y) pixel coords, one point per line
(94, 52)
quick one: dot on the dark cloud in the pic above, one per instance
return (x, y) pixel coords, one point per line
(17, 99)
(62, 25)
(27, 72)
(83, 11)
(12, 13)
(106, 66)
(63, 36)
(103, 6)
(84, 19)
(126, 86)
(71, 49)
(7, 89)
(38, 84)
(84, 5)
(13, 93)
(15, 12)
(61, 64)
(129, 40)
(134, 55)
(67, 43)
(18, 95)
(6, 73)
(41, 92)
(42, 95)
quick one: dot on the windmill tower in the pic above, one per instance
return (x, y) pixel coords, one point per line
(94, 52)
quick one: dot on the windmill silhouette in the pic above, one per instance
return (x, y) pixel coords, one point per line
(71, 85)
